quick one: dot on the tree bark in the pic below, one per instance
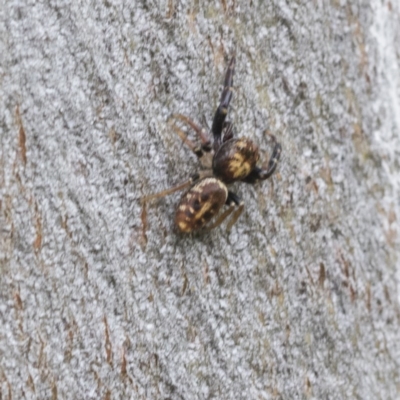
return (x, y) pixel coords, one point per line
(100, 298)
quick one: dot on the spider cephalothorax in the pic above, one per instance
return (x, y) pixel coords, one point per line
(231, 160)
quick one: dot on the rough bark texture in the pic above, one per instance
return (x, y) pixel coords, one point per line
(100, 299)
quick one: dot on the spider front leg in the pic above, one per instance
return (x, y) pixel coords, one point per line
(222, 110)
(228, 134)
(205, 146)
(260, 174)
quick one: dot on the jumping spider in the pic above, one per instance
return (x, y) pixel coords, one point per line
(229, 160)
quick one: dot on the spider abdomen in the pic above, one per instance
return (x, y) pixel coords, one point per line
(200, 204)
(235, 159)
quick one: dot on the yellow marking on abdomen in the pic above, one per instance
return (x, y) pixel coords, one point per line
(182, 226)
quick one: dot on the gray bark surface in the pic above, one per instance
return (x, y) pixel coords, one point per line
(100, 299)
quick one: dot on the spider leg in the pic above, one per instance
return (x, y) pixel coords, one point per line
(260, 174)
(232, 201)
(201, 132)
(228, 131)
(221, 218)
(235, 215)
(180, 186)
(168, 191)
(222, 110)
(195, 149)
